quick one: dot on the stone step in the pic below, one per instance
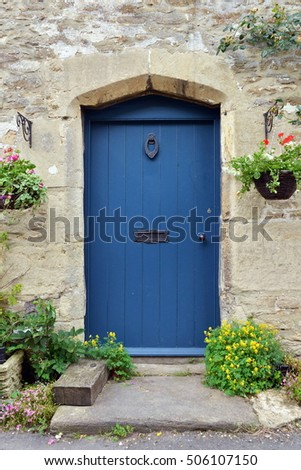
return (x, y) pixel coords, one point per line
(177, 370)
(81, 383)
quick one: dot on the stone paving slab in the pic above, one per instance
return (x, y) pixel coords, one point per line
(158, 403)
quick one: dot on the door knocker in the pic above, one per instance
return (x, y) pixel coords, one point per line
(151, 146)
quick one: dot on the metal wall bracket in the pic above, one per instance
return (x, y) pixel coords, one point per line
(26, 127)
(269, 116)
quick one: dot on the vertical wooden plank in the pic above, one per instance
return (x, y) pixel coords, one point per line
(134, 261)
(186, 252)
(116, 249)
(168, 251)
(98, 257)
(151, 197)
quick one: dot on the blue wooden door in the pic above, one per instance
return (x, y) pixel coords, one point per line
(151, 188)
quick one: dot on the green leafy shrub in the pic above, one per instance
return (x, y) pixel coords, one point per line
(118, 360)
(241, 358)
(30, 409)
(49, 352)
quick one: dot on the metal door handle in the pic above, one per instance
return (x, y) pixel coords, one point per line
(202, 237)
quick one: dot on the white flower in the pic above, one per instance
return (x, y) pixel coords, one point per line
(231, 171)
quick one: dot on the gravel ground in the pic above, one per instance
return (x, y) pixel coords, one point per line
(288, 438)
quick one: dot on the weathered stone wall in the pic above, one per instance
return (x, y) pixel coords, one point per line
(59, 55)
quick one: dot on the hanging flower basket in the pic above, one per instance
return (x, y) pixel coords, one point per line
(287, 185)
(275, 175)
(20, 186)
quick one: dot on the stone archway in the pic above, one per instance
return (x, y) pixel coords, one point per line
(100, 80)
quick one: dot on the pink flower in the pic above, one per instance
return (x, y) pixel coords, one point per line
(12, 158)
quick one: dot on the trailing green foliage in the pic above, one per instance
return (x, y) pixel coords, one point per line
(241, 358)
(279, 32)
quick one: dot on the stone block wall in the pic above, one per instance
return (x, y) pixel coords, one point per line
(59, 56)
(11, 374)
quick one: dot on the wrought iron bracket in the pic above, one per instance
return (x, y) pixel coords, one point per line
(269, 116)
(26, 127)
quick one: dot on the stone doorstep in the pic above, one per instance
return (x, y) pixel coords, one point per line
(81, 383)
(181, 369)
